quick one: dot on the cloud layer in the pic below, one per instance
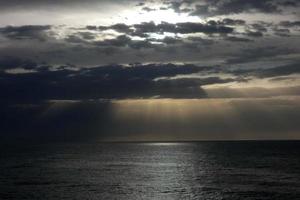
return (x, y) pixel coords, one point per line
(167, 70)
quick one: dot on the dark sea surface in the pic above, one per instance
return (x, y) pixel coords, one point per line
(202, 170)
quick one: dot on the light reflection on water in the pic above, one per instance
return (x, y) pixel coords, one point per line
(208, 170)
(164, 143)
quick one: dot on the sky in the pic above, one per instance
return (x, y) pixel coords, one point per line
(137, 70)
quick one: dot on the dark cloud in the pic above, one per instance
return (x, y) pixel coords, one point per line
(15, 62)
(163, 8)
(233, 22)
(183, 28)
(237, 39)
(120, 41)
(283, 32)
(37, 4)
(81, 37)
(260, 27)
(26, 32)
(227, 22)
(279, 71)
(103, 82)
(140, 4)
(289, 3)
(147, 27)
(84, 46)
(89, 27)
(75, 39)
(189, 27)
(147, 9)
(175, 6)
(201, 10)
(138, 44)
(87, 35)
(171, 40)
(193, 82)
(201, 40)
(227, 7)
(124, 41)
(122, 28)
(254, 34)
(269, 72)
(117, 81)
(290, 23)
(256, 54)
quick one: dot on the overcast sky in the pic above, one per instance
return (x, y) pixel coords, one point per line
(150, 70)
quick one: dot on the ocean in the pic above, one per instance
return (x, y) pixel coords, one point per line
(185, 170)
